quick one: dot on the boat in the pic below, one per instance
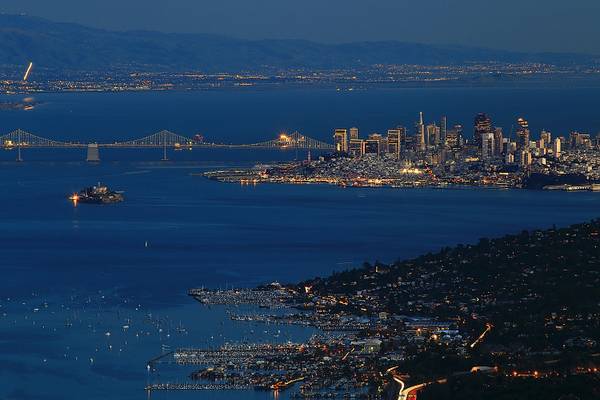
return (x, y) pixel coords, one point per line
(99, 194)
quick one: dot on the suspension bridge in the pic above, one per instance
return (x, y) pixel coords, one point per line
(20, 139)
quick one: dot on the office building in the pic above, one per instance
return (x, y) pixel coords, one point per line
(498, 141)
(482, 125)
(556, 148)
(546, 137)
(433, 136)
(522, 134)
(454, 137)
(443, 129)
(340, 140)
(394, 142)
(487, 145)
(356, 148)
(420, 134)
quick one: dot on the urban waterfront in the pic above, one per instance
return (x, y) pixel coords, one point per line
(73, 275)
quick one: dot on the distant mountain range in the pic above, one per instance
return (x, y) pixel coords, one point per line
(55, 45)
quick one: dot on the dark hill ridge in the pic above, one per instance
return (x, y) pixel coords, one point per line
(65, 45)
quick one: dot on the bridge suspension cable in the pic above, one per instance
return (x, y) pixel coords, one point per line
(21, 138)
(159, 139)
(164, 139)
(294, 141)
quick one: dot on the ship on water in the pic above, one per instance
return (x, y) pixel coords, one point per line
(99, 194)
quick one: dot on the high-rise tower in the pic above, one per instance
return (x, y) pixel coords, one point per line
(443, 128)
(482, 125)
(522, 134)
(420, 134)
(340, 140)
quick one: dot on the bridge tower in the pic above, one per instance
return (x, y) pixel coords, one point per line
(163, 138)
(19, 140)
(93, 153)
(165, 158)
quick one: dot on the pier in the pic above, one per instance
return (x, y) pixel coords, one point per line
(196, 386)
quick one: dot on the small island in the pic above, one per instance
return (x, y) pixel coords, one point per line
(99, 194)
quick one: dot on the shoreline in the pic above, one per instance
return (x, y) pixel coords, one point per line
(570, 188)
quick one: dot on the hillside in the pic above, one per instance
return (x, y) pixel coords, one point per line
(55, 45)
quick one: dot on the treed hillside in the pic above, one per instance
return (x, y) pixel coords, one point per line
(63, 45)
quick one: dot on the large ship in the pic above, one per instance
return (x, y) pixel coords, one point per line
(97, 195)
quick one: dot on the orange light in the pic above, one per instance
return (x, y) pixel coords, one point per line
(74, 198)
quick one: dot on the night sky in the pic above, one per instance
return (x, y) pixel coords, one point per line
(529, 25)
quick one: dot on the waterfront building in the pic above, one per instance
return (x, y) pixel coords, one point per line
(353, 133)
(522, 134)
(340, 140)
(481, 126)
(394, 142)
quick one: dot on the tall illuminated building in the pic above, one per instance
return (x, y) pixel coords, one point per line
(526, 158)
(432, 135)
(454, 137)
(546, 137)
(356, 148)
(443, 129)
(556, 148)
(481, 125)
(374, 144)
(394, 141)
(340, 140)
(498, 140)
(522, 134)
(420, 134)
(487, 145)
(353, 133)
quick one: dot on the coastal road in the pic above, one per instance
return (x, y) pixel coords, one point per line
(410, 393)
(397, 379)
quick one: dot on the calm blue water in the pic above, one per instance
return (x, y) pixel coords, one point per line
(70, 275)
